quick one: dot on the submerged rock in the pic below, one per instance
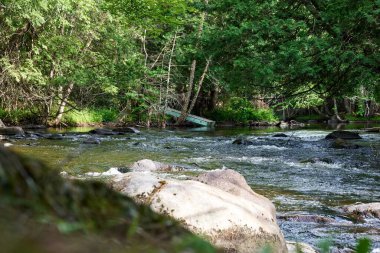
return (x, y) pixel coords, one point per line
(344, 135)
(91, 140)
(241, 141)
(55, 137)
(343, 144)
(12, 131)
(231, 217)
(361, 211)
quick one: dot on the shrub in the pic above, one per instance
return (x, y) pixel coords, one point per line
(241, 110)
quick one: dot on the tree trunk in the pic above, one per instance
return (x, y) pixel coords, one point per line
(185, 109)
(347, 105)
(199, 86)
(62, 105)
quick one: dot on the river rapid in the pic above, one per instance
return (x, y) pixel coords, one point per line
(301, 173)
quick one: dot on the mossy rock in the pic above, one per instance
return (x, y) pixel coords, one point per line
(34, 195)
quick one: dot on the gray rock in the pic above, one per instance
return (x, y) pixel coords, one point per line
(343, 144)
(127, 130)
(102, 131)
(241, 141)
(280, 135)
(306, 218)
(361, 211)
(12, 131)
(344, 135)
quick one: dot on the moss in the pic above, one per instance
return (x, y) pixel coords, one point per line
(79, 211)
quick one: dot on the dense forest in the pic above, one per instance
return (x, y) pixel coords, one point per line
(67, 62)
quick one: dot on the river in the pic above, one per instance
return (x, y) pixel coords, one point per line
(301, 173)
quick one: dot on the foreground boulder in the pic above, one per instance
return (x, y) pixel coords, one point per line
(361, 211)
(344, 135)
(231, 217)
(11, 131)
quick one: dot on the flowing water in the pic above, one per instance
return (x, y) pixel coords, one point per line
(300, 173)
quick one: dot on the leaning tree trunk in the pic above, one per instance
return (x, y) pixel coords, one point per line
(62, 105)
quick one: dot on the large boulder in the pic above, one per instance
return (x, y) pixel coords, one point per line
(233, 182)
(227, 219)
(11, 131)
(344, 135)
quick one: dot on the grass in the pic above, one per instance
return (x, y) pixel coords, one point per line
(87, 116)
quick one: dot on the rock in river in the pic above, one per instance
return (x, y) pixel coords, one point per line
(11, 131)
(241, 141)
(344, 135)
(103, 131)
(231, 217)
(370, 210)
(343, 144)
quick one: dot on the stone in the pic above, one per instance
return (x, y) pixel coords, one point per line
(1, 123)
(360, 211)
(306, 218)
(344, 135)
(12, 131)
(343, 144)
(230, 221)
(147, 165)
(280, 135)
(127, 130)
(55, 137)
(373, 130)
(103, 131)
(91, 140)
(296, 247)
(241, 141)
